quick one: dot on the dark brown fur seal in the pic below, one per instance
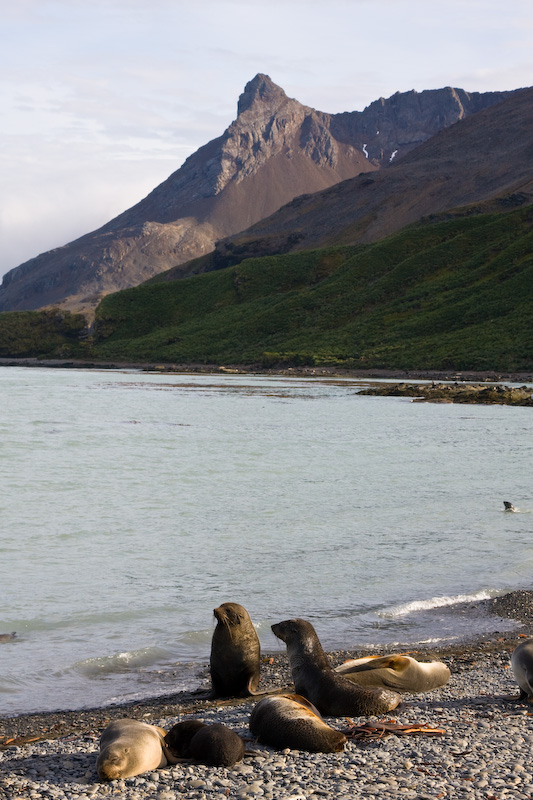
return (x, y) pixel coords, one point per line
(315, 679)
(281, 721)
(214, 745)
(235, 653)
(522, 666)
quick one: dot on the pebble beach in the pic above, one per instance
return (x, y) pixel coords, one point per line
(483, 749)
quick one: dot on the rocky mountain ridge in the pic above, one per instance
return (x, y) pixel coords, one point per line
(276, 149)
(482, 163)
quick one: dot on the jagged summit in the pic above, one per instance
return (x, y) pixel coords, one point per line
(275, 150)
(261, 89)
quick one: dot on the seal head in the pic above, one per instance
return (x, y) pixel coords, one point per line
(235, 653)
(314, 677)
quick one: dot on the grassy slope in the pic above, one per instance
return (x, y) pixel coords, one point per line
(450, 294)
(52, 332)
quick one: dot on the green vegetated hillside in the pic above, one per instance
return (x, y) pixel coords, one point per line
(52, 332)
(449, 294)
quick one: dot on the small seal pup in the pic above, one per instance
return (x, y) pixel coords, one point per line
(292, 721)
(508, 506)
(235, 653)
(314, 677)
(403, 673)
(522, 666)
(215, 745)
(129, 747)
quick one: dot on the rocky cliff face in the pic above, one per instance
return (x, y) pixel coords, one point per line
(275, 150)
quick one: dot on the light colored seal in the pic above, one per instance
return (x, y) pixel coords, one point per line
(129, 747)
(281, 721)
(522, 666)
(215, 745)
(314, 677)
(400, 672)
(235, 653)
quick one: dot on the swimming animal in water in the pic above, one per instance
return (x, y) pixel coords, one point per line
(8, 637)
(522, 666)
(508, 506)
(399, 672)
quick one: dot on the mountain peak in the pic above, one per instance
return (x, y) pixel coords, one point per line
(260, 89)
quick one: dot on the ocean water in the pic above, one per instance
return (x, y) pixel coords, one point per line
(133, 504)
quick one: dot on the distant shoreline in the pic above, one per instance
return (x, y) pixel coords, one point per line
(297, 372)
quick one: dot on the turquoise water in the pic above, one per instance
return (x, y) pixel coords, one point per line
(133, 504)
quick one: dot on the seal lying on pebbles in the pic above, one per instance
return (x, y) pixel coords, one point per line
(129, 747)
(292, 721)
(235, 653)
(522, 666)
(403, 673)
(215, 745)
(314, 677)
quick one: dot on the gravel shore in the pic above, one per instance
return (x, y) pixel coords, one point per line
(484, 752)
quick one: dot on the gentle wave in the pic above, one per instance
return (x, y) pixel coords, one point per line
(119, 662)
(404, 609)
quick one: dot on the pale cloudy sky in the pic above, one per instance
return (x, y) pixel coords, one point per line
(100, 101)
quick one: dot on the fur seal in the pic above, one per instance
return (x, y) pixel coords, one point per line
(292, 721)
(522, 666)
(508, 506)
(403, 673)
(235, 653)
(129, 747)
(8, 637)
(314, 677)
(215, 745)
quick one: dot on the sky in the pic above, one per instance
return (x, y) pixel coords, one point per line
(101, 101)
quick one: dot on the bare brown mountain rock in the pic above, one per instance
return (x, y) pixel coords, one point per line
(275, 150)
(481, 163)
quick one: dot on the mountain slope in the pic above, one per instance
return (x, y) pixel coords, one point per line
(483, 161)
(275, 150)
(453, 294)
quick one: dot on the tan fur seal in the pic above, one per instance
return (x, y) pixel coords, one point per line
(522, 666)
(403, 673)
(215, 745)
(8, 637)
(235, 653)
(314, 677)
(292, 721)
(129, 747)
